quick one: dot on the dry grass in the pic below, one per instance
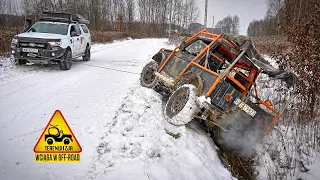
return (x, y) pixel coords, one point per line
(270, 44)
(107, 36)
(5, 40)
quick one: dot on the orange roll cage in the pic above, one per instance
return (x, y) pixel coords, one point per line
(254, 71)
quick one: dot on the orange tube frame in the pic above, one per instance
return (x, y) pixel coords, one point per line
(199, 55)
(217, 37)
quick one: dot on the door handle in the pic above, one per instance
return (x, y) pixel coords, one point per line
(77, 39)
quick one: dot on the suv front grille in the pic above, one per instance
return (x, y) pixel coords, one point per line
(33, 45)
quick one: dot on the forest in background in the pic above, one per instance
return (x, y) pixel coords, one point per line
(114, 19)
(149, 17)
(109, 19)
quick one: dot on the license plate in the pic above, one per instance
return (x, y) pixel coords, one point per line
(245, 107)
(30, 50)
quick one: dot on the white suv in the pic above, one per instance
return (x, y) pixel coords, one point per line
(56, 38)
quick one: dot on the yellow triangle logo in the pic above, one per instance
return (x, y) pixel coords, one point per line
(57, 137)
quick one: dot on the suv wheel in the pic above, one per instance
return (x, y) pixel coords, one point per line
(181, 107)
(87, 54)
(21, 61)
(147, 78)
(66, 62)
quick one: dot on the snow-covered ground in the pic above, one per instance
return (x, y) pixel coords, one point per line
(119, 124)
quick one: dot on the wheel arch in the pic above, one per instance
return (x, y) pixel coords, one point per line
(159, 57)
(195, 79)
(69, 49)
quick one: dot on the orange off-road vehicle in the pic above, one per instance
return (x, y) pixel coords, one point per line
(213, 78)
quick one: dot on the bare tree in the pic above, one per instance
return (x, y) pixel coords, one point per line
(229, 24)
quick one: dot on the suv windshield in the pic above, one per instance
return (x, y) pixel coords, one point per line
(50, 28)
(196, 47)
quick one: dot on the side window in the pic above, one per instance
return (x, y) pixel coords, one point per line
(84, 28)
(75, 28)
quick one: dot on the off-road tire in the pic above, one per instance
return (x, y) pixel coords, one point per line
(87, 54)
(216, 133)
(21, 61)
(66, 62)
(148, 78)
(181, 107)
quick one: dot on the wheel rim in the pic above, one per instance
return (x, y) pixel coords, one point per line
(149, 76)
(179, 102)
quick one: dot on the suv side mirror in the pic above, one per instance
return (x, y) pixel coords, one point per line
(183, 45)
(74, 33)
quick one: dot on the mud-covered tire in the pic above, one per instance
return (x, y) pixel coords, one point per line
(217, 134)
(66, 62)
(87, 54)
(181, 107)
(148, 78)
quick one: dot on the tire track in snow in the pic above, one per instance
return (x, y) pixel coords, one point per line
(82, 98)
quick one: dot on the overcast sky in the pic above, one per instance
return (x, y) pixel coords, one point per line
(247, 10)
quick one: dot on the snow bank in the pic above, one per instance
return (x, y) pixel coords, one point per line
(6, 64)
(140, 144)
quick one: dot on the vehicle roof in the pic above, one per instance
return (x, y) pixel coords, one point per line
(244, 59)
(63, 17)
(252, 56)
(50, 22)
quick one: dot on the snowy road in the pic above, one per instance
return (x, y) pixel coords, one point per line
(89, 95)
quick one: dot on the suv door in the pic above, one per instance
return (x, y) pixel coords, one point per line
(75, 36)
(85, 37)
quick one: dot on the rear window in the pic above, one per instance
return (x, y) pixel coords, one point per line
(84, 28)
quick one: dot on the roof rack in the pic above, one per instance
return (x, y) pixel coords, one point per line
(63, 17)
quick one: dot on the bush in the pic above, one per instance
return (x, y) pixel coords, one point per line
(107, 36)
(5, 40)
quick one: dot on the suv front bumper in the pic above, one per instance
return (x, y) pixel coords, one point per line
(42, 56)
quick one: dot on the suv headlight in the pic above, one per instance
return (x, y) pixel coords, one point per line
(14, 41)
(55, 43)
